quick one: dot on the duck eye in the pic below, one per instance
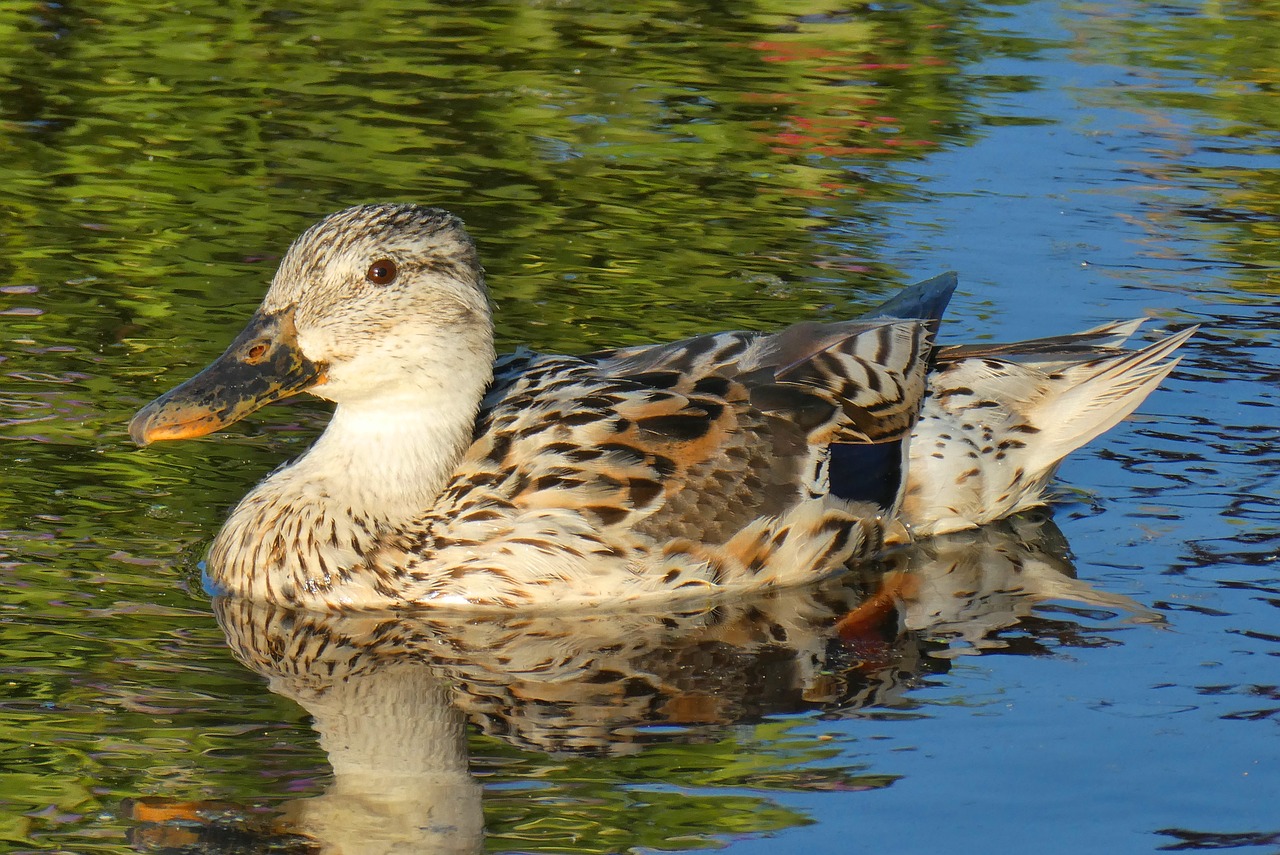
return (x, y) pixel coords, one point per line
(382, 272)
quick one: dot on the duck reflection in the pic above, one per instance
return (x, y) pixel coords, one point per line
(391, 694)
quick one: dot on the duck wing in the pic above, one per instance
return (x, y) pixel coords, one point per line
(698, 438)
(676, 470)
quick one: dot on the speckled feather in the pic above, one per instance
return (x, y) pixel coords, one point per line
(723, 463)
(624, 476)
(998, 419)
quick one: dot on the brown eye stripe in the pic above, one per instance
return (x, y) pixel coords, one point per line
(382, 272)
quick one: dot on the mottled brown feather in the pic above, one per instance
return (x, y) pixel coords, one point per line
(721, 463)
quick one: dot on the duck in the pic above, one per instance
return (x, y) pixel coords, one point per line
(723, 464)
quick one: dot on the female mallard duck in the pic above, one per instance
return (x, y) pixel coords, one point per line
(725, 462)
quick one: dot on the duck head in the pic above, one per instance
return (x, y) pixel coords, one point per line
(373, 302)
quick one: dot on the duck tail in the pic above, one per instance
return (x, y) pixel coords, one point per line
(1000, 418)
(1089, 399)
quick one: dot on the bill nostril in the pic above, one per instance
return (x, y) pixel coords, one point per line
(255, 353)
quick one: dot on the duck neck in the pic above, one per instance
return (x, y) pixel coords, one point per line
(385, 460)
(379, 466)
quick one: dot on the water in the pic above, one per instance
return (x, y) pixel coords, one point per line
(634, 176)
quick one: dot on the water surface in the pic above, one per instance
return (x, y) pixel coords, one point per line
(631, 176)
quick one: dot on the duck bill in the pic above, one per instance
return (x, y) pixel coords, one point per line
(262, 365)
